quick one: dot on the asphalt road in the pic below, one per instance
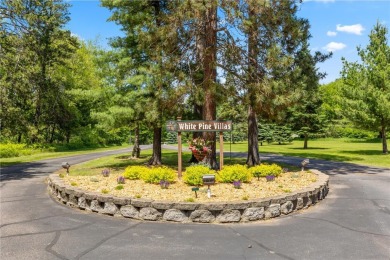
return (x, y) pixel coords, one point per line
(353, 222)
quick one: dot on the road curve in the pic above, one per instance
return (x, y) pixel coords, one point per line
(353, 222)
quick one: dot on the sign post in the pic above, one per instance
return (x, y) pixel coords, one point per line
(179, 152)
(220, 150)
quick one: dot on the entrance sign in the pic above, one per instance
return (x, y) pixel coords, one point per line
(199, 126)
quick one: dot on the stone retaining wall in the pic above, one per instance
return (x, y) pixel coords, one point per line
(213, 212)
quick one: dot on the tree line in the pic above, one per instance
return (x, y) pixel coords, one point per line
(248, 61)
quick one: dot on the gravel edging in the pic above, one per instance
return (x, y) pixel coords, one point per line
(188, 212)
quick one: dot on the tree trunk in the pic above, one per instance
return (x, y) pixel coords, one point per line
(156, 156)
(210, 76)
(19, 138)
(384, 141)
(198, 115)
(136, 149)
(306, 137)
(253, 143)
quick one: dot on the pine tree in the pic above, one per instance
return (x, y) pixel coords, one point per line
(366, 89)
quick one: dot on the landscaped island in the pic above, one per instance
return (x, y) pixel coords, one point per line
(240, 194)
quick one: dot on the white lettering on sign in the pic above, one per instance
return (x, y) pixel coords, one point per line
(187, 126)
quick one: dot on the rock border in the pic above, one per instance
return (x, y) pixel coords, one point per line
(188, 212)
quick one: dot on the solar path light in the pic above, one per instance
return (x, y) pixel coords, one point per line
(66, 166)
(208, 179)
(304, 163)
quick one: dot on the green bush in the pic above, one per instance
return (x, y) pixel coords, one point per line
(14, 150)
(193, 174)
(156, 174)
(234, 173)
(266, 169)
(135, 172)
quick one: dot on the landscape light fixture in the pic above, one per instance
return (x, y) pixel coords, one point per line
(66, 166)
(304, 163)
(208, 179)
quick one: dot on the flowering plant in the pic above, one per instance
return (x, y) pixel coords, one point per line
(199, 145)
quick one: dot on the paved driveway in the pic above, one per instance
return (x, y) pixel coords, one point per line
(353, 222)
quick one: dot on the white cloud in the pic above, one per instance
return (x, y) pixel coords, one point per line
(334, 46)
(354, 29)
(331, 34)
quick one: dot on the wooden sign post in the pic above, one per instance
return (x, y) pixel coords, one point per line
(179, 152)
(220, 150)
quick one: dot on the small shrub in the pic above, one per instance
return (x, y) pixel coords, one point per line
(14, 150)
(106, 172)
(156, 174)
(237, 184)
(138, 196)
(135, 172)
(235, 172)
(119, 187)
(105, 191)
(120, 180)
(94, 179)
(245, 197)
(189, 200)
(73, 183)
(264, 170)
(61, 175)
(164, 184)
(287, 190)
(193, 174)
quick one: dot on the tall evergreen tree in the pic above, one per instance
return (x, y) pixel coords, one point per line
(33, 32)
(150, 48)
(366, 89)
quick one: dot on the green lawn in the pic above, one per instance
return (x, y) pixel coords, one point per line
(366, 152)
(55, 154)
(346, 150)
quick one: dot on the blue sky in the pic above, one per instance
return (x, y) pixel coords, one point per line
(336, 25)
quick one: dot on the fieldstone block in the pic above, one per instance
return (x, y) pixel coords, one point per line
(215, 206)
(129, 211)
(121, 201)
(69, 190)
(202, 216)
(238, 205)
(272, 211)
(186, 206)
(78, 193)
(253, 214)
(110, 208)
(73, 201)
(299, 203)
(175, 215)
(64, 196)
(96, 206)
(162, 204)
(141, 203)
(292, 197)
(82, 203)
(278, 200)
(307, 202)
(150, 214)
(91, 195)
(261, 203)
(287, 207)
(229, 215)
(104, 198)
